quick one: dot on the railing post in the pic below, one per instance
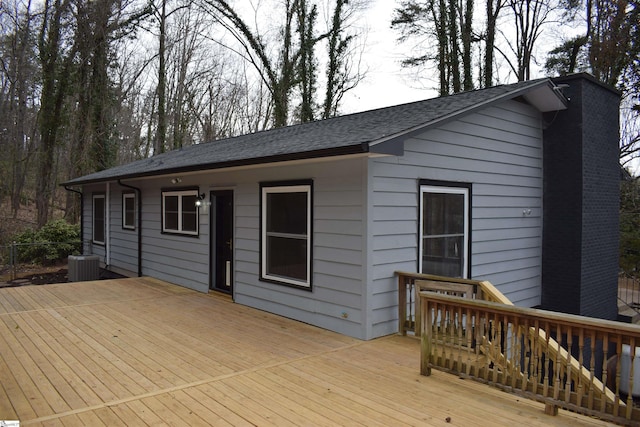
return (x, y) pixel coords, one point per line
(425, 339)
(550, 409)
(418, 310)
(402, 305)
(14, 257)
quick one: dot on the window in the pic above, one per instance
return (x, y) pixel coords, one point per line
(129, 211)
(444, 235)
(285, 247)
(179, 212)
(99, 218)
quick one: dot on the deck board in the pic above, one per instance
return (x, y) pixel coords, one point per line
(145, 352)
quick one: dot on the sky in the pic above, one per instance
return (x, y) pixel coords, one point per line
(385, 83)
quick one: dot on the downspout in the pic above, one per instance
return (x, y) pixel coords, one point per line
(107, 231)
(81, 215)
(139, 215)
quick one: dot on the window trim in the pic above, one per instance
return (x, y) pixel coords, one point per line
(180, 192)
(94, 197)
(266, 188)
(447, 187)
(129, 195)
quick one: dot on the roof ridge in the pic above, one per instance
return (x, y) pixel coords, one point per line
(345, 134)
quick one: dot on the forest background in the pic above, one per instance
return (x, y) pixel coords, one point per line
(89, 84)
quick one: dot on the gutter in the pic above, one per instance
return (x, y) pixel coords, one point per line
(139, 215)
(81, 214)
(356, 148)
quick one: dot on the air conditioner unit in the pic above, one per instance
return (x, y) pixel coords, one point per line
(83, 268)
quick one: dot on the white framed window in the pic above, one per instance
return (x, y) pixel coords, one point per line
(99, 215)
(444, 230)
(129, 211)
(180, 214)
(286, 230)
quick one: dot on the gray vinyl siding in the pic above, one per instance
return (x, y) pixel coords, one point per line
(365, 222)
(498, 151)
(123, 249)
(183, 260)
(336, 299)
(91, 248)
(180, 259)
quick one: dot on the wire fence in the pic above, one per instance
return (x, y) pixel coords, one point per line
(16, 254)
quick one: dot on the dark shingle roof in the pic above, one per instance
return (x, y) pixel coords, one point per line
(349, 134)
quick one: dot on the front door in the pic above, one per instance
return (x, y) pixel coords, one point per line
(222, 241)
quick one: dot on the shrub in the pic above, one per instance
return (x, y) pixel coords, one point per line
(55, 241)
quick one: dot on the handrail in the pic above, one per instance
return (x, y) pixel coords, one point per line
(410, 314)
(513, 348)
(409, 303)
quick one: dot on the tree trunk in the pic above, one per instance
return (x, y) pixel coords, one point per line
(490, 36)
(467, 31)
(52, 96)
(161, 137)
(454, 49)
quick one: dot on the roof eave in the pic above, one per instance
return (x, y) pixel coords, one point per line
(332, 152)
(543, 89)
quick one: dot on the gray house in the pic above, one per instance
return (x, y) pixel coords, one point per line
(515, 184)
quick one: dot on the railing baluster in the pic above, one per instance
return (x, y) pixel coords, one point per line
(616, 405)
(547, 374)
(451, 336)
(526, 338)
(469, 336)
(581, 384)
(512, 328)
(459, 343)
(605, 370)
(592, 369)
(494, 345)
(632, 356)
(537, 355)
(479, 333)
(415, 292)
(567, 386)
(557, 365)
(487, 343)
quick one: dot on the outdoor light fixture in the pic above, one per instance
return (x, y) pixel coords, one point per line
(200, 201)
(176, 180)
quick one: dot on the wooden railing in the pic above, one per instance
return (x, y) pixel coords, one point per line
(410, 284)
(410, 314)
(574, 362)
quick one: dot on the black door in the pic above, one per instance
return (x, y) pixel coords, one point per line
(222, 241)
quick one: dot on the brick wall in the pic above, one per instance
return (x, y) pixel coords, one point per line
(580, 202)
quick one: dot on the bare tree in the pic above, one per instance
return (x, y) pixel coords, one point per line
(493, 9)
(55, 51)
(343, 71)
(293, 67)
(447, 27)
(18, 76)
(530, 16)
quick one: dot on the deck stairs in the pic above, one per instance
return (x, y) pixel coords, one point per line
(484, 290)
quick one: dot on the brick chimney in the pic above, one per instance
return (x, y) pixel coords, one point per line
(581, 201)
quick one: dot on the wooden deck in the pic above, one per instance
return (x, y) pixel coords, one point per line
(145, 352)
